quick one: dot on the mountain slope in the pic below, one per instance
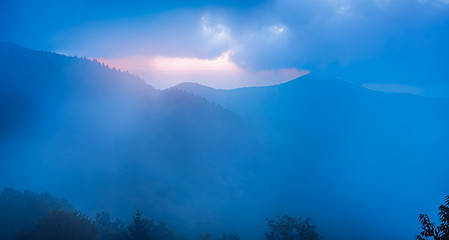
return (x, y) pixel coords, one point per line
(355, 147)
(348, 157)
(107, 140)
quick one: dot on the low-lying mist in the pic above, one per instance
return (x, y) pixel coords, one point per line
(360, 164)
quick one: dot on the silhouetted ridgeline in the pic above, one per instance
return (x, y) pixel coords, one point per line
(346, 156)
(77, 128)
(364, 151)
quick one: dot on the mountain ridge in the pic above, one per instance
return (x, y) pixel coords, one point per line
(338, 135)
(102, 137)
(197, 87)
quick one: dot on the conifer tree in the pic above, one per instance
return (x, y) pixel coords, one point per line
(138, 229)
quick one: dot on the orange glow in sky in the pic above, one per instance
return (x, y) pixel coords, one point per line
(220, 72)
(222, 63)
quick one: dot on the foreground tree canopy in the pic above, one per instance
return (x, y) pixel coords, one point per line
(30, 216)
(290, 228)
(58, 225)
(430, 230)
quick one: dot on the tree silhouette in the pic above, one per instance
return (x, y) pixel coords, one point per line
(109, 230)
(21, 211)
(67, 225)
(290, 228)
(229, 237)
(160, 231)
(205, 236)
(139, 228)
(430, 230)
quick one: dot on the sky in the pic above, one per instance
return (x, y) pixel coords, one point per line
(385, 45)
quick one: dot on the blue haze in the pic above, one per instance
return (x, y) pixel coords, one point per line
(343, 155)
(362, 164)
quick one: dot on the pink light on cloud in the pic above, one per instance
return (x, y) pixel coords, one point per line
(222, 63)
(221, 72)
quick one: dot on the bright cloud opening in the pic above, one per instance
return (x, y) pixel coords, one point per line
(221, 63)
(163, 72)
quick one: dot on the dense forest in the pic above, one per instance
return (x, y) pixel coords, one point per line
(30, 216)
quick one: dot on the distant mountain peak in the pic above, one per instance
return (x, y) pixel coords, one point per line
(190, 85)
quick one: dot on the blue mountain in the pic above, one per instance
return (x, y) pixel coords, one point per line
(362, 164)
(374, 156)
(106, 140)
